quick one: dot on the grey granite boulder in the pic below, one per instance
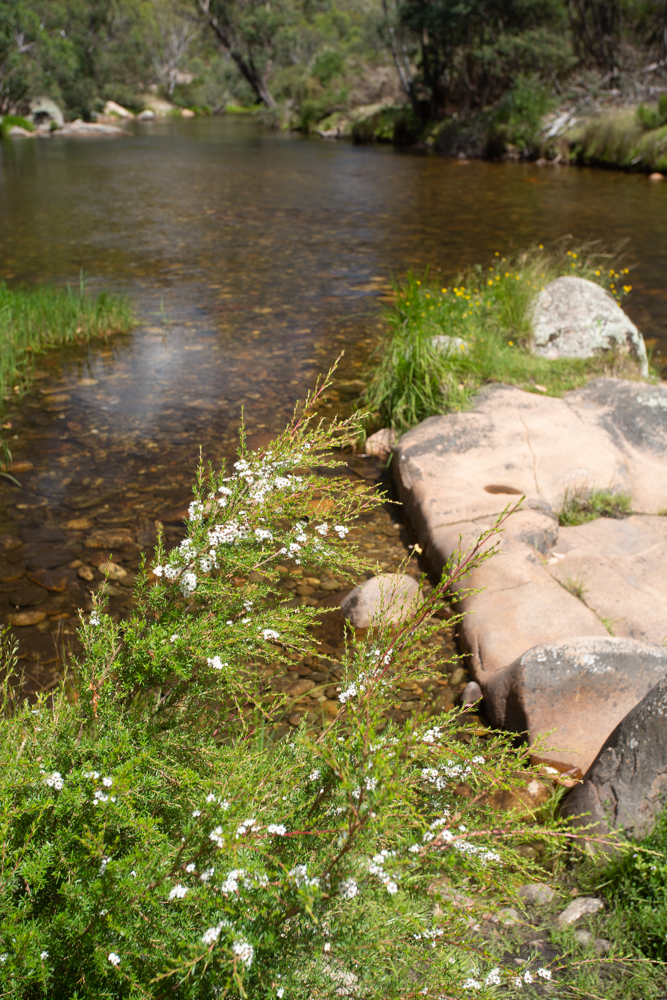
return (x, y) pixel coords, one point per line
(391, 598)
(576, 318)
(626, 785)
(577, 691)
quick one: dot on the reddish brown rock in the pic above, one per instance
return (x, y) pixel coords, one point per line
(22, 618)
(626, 785)
(292, 687)
(576, 691)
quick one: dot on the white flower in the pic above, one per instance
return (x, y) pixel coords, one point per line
(527, 978)
(472, 984)
(244, 951)
(314, 775)
(206, 562)
(270, 633)
(171, 572)
(3, 957)
(327, 946)
(391, 887)
(276, 829)
(190, 868)
(44, 955)
(107, 782)
(322, 529)
(158, 570)
(493, 978)
(197, 812)
(188, 583)
(103, 866)
(99, 796)
(178, 891)
(195, 510)
(263, 534)
(341, 530)
(92, 774)
(280, 993)
(216, 836)
(114, 958)
(300, 875)
(94, 618)
(55, 780)
(207, 875)
(544, 973)
(210, 797)
(348, 888)
(247, 826)
(211, 935)
(415, 849)
(216, 662)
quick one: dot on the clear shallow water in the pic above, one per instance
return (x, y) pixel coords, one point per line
(253, 258)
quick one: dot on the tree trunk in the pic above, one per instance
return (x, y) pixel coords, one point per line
(245, 65)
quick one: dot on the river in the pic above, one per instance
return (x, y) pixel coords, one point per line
(252, 257)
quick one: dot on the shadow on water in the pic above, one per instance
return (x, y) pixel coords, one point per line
(253, 258)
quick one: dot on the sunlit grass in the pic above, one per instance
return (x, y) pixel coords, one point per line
(579, 507)
(35, 319)
(488, 311)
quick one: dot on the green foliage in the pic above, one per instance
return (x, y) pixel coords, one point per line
(8, 121)
(34, 319)
(637, 885)
(156, 842)
(580, 506)
(651, 118)
(483, 321)
(518, 119)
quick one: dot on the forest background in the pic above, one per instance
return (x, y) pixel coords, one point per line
(303, 61)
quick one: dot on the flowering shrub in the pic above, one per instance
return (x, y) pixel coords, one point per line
(156, 843)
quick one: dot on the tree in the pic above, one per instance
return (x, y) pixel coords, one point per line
(596, 28)
(248, 31)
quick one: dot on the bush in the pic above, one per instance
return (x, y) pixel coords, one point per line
(652, 118)
(485, 320)
(157, 842)
(518, 119)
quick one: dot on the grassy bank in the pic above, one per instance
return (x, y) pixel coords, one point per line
(445, 341)
(35, 319)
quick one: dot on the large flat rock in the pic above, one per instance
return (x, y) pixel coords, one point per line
(576, 691)
(456, 473)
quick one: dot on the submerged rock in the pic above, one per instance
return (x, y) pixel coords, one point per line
(626, 785)
(379, 445)
(576, 318)
(392, 598)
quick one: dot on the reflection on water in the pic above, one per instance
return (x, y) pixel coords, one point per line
(253, 259)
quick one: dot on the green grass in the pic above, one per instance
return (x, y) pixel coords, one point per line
(579, 507)
(8, 121)
(488, 310)
(35, 319)
(629, 139)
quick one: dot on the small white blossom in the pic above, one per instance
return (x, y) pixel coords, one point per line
(493, 978)
(94, 618)
(472, 984)
(216, 836)
(103, 866)
(544, 973)
(44, 955)
(270, 633)
(341, 530)
(188, 583)
(55, 780)
(244, 952)
(92, 774)
(216, 663)
(322, 529)
(107, 782)
(263, 534)
(280, 993)
(391, 887)
(178, 892)
(207, 875)
(190, 868)
(158, 570)
(527, 978)
(210, 797)
(348, 888)
(276, 829)
(196, 812)
(114, 958)
(211, 935)
(327, 946)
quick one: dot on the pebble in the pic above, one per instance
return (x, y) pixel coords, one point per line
(535, 893)
(583, 906)
(85, 573)
(112, 570)
(23, 618)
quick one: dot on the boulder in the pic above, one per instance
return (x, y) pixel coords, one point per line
(391, 598)
(626, 785)
(575, 691)
(18, 132)
(455, 474)
(148, 115)
(583, 906)
(576, 318)
(44, 109)
(379, 445)
(111, 108)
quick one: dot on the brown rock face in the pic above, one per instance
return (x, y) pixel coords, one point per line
(456, 473)
(577, 691)
(626, 785)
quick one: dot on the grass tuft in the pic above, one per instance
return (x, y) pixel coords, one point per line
(443, 343)
(579, 507)
(34, 319)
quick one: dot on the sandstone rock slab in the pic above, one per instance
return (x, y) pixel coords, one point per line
(580, 688)
(619, 566)
(626, 785)
(576, 318)
(583, 906)
(391, 597)
(456, 473)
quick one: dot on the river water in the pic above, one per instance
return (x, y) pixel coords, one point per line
(253, 258)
